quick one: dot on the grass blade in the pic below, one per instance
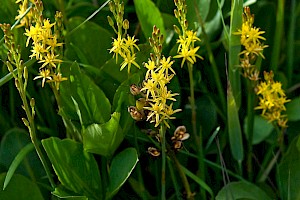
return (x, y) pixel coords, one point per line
(16, 162)
(234, 49)
(197, 180)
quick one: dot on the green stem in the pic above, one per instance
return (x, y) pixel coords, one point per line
(278, 36)
(32, 130)
(198, 140)
(183, 177)
(291, 42)
(250, 125)
(192, 102)
(280, 133)
(162, 132)
(138, 167)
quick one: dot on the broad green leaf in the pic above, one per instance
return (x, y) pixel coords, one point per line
(76, 169)
(149, 15)
(103, 139)
(288, 172)
(19, 188)
(120, 169)
(12, 144)
(196, 9)
(262, 129)
(89, 43)
(16, 162)
(293, 109)
(62, 193)
(234, 128)
(241, 190)
(92, 102)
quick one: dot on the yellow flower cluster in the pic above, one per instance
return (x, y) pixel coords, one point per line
(25, 18)
(272, 99)
(45, 43)
(159, 73)
(187, 38)
(253, 47)
(125, 47)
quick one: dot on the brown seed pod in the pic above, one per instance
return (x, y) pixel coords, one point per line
(136, 114)
(153, 151)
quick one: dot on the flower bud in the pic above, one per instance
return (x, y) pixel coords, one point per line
(32, 102)
(177, 30)
(25, 121)
(126, 24)
(110, 21)
(25, 73)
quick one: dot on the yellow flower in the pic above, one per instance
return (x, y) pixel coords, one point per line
(272, 99)
(44, 74)
(32, 33)
(57, 79)
(50, 59)
(189, 54)
(38, 51)
(128, 60)
(156, 112)
(166, 65)
(130, 43)
(117, 47)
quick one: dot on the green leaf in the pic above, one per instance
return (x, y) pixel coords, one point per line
(288, 172)
(234, 128)
(262, 129)
(121, 168)
(20, 188)
(89, 43)
(62, 193)
(196, 8)
(103, 139)
(76, 169)
(12, 144)
(16, 162)
(93, 105)
(293, 109)
(149, 15)
(234, 50)
(241, 190)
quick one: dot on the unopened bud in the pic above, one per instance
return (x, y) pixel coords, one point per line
(17, 83)
(32, 102)
(25, 121)
(9, 66)
(110, 21)
(161, 39)
(126, 24)
(111, 6)
(176, 13)
(25, 73)
(177, 30)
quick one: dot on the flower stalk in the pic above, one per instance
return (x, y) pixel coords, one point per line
(21, 80)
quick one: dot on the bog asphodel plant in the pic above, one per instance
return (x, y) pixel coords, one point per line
(187, 38)
(122, 45)
(271, 100)
(251, 40)
(45, 45)
(159, 74)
